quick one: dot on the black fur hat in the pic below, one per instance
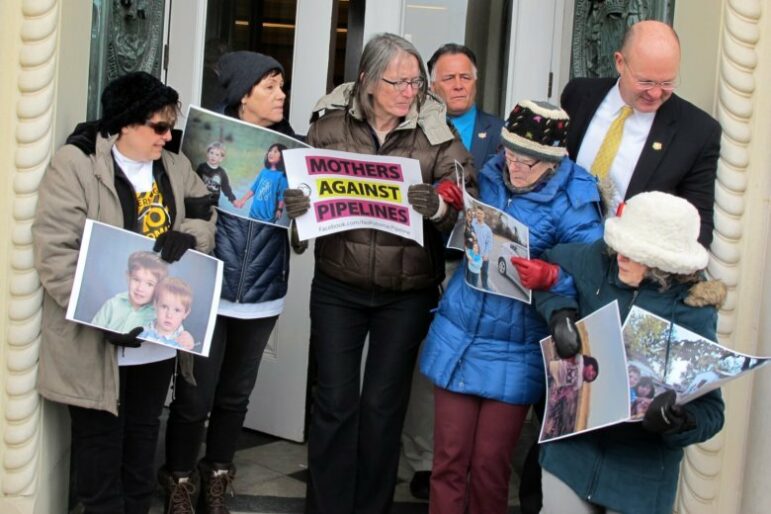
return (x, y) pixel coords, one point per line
(133, 98)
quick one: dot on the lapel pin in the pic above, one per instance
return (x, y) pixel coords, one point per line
(656, 146)
(482, 135)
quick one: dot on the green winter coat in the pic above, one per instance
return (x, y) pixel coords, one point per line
(624, 467)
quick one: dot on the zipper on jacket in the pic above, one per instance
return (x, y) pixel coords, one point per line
(372, 251)
(247, 248)
(595, 473)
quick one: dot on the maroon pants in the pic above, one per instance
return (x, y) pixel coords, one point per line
(474, 439)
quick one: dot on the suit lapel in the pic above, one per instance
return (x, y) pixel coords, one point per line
(657, 144)
(591, 99)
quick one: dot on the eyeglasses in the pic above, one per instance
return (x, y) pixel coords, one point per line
(511, 161)
(647, 85)
(401, 85)
(160, 127)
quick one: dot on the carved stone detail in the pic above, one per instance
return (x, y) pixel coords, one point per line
(704, 464)
(33, 142)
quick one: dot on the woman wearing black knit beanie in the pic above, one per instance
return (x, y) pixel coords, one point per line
(254, 283)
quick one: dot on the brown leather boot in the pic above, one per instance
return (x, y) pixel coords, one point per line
(181, 491)
(216, 479)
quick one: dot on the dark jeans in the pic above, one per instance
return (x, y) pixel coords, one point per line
(225, 380)
(485, 269)
(353, 445)
(114, 455)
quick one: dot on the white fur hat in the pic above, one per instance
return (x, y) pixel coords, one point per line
(660, 231)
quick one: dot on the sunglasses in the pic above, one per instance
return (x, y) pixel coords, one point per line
(160, 127)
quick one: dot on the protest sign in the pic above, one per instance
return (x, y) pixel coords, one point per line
(648, 356)
(587, 391)
(120, 283)
(349, 191)
(663, 355)
(242, 164)
(489, 238)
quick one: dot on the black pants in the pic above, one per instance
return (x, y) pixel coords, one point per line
(530, 494)
(353, 446)
(224, 382)
(114, 455)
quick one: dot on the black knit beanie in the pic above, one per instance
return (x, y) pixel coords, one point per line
(132, 99)
(240, 71)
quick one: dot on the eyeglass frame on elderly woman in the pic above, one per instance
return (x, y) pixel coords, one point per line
(510, 161)
(161, 127)
(401, 85)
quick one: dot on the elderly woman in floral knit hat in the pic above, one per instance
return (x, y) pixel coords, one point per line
(482, 351)
(650, 257)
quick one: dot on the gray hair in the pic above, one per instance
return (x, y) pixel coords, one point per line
(377, 55)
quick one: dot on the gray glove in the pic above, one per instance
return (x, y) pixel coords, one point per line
(296, 203)
(424, 199)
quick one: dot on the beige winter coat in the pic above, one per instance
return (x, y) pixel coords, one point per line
(77, 367)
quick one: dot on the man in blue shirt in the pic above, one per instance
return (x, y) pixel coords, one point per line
(453, 73)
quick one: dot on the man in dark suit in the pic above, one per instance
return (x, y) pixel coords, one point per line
(453, 71)
(668, 144)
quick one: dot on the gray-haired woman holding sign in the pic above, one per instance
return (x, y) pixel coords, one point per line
(370, 283)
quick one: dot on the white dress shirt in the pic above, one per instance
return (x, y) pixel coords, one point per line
(636, 129)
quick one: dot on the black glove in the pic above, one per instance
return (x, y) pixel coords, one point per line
(200, 208)
(128, 340)
(424, 199)
(564, 332)
(664, 416)
(296, 203)
(173, 245)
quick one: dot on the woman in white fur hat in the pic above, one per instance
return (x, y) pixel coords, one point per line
(650, 257)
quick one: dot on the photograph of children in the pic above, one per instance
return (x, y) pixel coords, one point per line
(672, 357)
(121, 284)
(254, 183)
(213, 174)
(589, 390)
(489, 239)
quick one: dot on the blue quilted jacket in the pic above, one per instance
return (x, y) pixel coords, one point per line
(487, 345)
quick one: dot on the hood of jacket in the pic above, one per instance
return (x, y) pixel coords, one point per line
(430, 115)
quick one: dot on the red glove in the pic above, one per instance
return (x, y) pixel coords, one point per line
(535, 273)
(450, 193)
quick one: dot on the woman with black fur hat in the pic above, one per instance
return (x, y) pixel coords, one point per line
(254, 283)
(115, 171)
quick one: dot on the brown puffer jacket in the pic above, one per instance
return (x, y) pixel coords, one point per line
(371, 259)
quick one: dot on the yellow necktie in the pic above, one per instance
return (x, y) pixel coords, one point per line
(609, 147)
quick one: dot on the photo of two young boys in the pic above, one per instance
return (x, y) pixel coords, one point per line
(105, 294)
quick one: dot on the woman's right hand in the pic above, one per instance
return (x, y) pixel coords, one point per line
(295, 202)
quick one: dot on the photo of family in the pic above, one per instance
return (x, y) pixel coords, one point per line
(130, 286)
(240, 163)
(489, 238)
(581, 391)
(663, 356)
